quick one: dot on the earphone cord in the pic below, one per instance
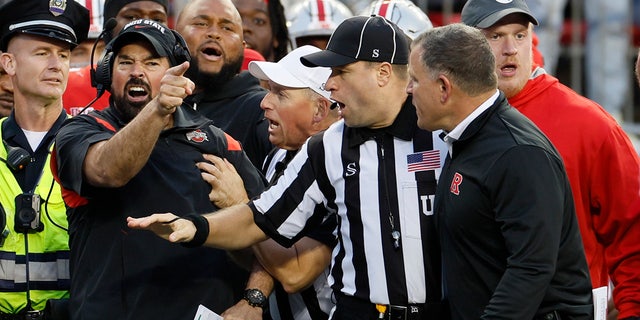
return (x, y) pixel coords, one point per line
(46, 207)
(26, 258)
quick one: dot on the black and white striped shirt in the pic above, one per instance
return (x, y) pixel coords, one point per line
(364, 178)
(314, 302)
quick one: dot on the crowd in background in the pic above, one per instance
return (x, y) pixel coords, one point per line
(286, 91)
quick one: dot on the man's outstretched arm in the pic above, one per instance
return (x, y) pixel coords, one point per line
(230, 228)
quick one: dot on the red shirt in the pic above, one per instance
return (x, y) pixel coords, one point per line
(604, 172)
(79, 92)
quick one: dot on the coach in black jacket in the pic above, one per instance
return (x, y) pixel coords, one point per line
(505, 215)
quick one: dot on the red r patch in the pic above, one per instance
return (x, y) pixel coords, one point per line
(455, 184)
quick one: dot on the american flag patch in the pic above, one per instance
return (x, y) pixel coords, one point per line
(422, 161)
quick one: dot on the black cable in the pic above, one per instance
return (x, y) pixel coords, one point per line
(26, 258)
(46, 207)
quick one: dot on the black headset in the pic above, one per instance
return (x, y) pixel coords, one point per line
(101, 77)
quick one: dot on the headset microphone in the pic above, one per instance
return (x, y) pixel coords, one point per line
(333, 105)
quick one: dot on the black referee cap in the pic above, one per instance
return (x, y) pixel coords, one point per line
(64, 20)
(362, 38)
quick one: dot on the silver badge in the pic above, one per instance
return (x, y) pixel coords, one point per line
(57, 7)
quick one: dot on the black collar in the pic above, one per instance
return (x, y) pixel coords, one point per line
(403, 127)
(12, 132)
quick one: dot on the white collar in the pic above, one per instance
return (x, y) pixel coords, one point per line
(456, 133)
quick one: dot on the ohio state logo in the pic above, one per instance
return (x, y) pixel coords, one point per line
(197, 136)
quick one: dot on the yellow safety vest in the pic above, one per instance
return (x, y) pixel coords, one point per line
(48, 249)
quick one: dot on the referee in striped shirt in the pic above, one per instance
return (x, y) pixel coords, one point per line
(375, 171)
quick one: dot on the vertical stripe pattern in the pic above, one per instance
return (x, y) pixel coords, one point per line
(362, 183)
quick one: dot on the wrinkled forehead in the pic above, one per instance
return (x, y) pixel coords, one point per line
(212, 9)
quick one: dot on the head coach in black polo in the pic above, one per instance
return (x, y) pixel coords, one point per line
(505, 215)
(136, 157)
(375, 171)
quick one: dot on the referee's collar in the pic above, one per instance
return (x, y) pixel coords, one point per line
(403, 127)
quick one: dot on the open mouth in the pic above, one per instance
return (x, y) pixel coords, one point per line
(6, 102)
(248, 42)
(273, 124)
(508, 68)
(137, 93)
(6, 98)
(212, 53)
(53, 80)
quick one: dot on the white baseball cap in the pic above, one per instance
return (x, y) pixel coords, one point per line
(290, 72)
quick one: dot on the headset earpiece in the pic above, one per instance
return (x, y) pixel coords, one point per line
(101, 78)
(180, 50)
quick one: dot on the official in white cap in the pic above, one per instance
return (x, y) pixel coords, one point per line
(36, 38)
(297, 107)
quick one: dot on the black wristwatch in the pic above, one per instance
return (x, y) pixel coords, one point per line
(255, 298)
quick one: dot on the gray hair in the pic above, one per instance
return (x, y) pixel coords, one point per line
(460, 52)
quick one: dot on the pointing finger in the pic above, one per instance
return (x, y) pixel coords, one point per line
(179, 70)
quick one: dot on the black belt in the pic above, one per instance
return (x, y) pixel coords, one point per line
(409, 312)
(392, 312)
(23, 315)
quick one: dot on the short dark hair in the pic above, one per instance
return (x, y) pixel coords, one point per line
(462, 53)
(278, 28)
(112, 7)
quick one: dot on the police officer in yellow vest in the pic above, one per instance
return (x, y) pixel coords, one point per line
(36, 39)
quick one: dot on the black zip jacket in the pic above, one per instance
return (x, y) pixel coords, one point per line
(506, 219)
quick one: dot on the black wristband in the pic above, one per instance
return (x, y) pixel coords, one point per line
(202, 230)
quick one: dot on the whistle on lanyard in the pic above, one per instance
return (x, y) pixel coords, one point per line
(382, 309)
